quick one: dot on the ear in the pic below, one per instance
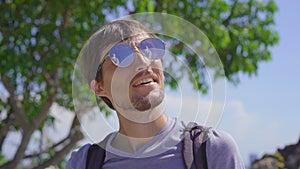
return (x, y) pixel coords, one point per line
(98, 88)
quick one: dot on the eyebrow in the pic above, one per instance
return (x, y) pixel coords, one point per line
(134, 39)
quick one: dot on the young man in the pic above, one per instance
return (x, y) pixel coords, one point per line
(129, 78)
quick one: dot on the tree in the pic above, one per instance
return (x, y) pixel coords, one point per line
(40, 40)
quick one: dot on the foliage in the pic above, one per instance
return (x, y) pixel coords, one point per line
(275, 160)
(40, 40)
(241, 31)
(280, 158)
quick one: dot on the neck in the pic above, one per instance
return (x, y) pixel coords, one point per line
(142, 130)
(132, 136)
(142, 124)
(137, 128)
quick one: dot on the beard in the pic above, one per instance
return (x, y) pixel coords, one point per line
(143, 104)
(150, 101)
(143, 109)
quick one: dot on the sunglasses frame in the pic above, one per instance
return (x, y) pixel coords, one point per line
(99, 69)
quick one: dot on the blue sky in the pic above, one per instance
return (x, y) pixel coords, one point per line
(262, 112)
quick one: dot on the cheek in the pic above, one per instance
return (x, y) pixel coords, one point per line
(162, 83)
(123, 75)
(108, 73)
(120, 80)
(107, 80)
(159, 70)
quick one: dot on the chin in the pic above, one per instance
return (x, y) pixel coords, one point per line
(144, 103)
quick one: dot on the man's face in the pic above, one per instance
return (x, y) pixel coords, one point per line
(140, 86)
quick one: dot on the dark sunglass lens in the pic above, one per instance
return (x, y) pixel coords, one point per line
(121, 55)
(153, 48)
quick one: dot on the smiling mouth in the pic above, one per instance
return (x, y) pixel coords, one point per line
(143, 82)
(146, 78)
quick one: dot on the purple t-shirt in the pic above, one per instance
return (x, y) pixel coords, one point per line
(165, 151)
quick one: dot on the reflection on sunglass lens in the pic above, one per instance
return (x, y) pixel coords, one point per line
(153, 48)
(123, 55)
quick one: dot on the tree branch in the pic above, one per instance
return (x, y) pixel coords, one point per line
(52, 87)
(48, 149)
(27, 132)
(12, 100)
(28, 128)
(75, 123)
(5, 128)
(227, 20)
(67, 16)
(61, 153)
(73, 139)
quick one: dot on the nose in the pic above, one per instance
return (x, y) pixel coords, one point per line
(141, 61)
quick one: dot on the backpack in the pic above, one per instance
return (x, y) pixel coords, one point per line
(194, 145)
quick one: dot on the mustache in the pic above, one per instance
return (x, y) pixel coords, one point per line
(144, 73)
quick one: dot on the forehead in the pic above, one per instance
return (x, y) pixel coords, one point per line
(135, 38)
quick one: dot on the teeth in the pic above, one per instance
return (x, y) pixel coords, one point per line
(147, 80)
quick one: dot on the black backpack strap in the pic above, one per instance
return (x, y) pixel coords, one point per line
(95, 157)
(194, 148)
(204, 158)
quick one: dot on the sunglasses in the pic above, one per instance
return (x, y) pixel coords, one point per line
(122, 55)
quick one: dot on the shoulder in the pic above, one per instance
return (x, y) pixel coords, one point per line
(220, 140)
(222, 150)
(78, 158)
